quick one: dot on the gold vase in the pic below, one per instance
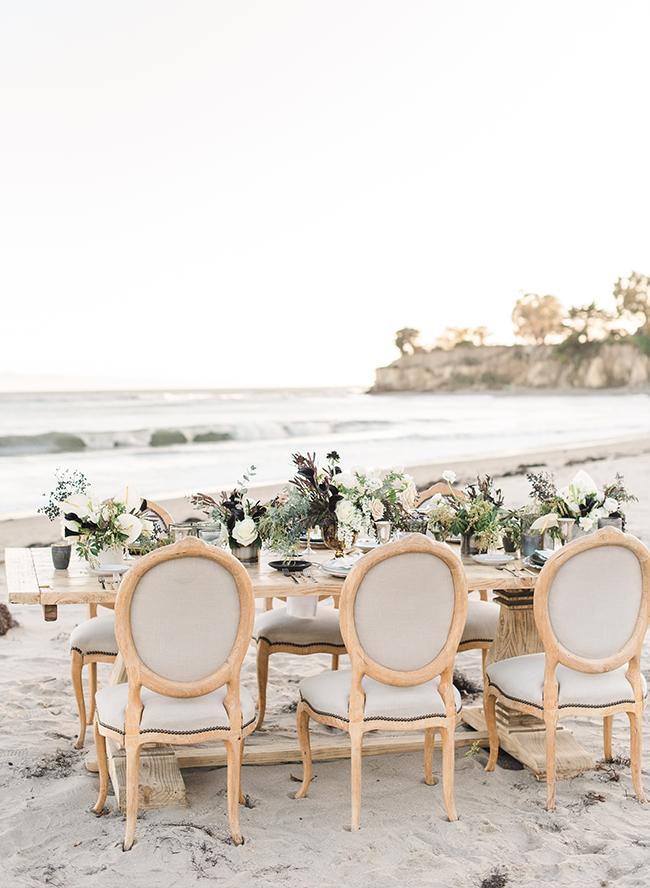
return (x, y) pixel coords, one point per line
(329, 529)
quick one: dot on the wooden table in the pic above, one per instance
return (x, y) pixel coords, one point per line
(31, 579)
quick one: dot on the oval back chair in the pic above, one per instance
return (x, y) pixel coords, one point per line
(402, 612)
(183, 619)
(592, 606)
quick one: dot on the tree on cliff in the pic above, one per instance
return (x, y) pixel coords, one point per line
(405, 339)
(588, 323)
(632, 296)
(454, 336)
(538, 317)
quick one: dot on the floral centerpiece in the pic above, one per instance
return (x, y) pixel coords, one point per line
(241, 517)
(96, 526)
(476, 513)
(580, 500)
(342, 504)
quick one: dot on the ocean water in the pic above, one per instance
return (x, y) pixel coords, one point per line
(180, 442)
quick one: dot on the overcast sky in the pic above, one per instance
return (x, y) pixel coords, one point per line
(262, 193)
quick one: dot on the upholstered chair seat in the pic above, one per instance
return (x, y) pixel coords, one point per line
(278, 631)
(96, 636)
(402, 612)
(329, 694)
(481, 624)
(521, 679)
(171, 715)
(592, 608)
(183, 620)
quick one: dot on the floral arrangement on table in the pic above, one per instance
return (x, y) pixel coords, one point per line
(342, 504)
(477, 512)
(96, 525)
(241, 516)
(580, 500)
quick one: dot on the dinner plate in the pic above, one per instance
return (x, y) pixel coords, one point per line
(493, 558)
(108, 569)
(367, 545)
(334, 572)
(291, 566)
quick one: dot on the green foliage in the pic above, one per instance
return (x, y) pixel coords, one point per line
(632, 295)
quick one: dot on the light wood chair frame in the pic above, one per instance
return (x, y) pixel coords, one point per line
(265, 649)
(78, 661)
(441, 487)
(139, 675)
(362, 664)
(556, 653)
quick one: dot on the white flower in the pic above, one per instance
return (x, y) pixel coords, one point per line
(130, 525)
(398, 470)
(373, 483)
(449, 476)
(586, 524)
(345, 511)
(245, 532)
(610, 505)
(69, 525)
(584, 483)
(129, 497)
(408, 497)
(347, 479)
(545, 522)
(147, 526)
(376, 508)
(80, 504)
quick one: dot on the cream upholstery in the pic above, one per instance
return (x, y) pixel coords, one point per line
(183, 621)
(402, 613)
(170, 715)
(96, 636)
(403, 610)
(522, 679)
(278, 631)
(329, 694)
(592, 607)
(481, 624)
(278, 627)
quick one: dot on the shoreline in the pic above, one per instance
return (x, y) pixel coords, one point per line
(18, 529)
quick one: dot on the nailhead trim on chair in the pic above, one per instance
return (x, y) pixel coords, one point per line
(339, 647)
(564, 705)
(183, 733)
(390, 718)
(94, 653)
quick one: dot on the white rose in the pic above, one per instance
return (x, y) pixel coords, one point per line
(373, 483)
(449, 476)
(408, 497)
(245, 532)
(129, 497)
(376, 509)
(610, 505)
(347, 479)
(130, 525)
(147, 526)
(79, 503)
(345, 511)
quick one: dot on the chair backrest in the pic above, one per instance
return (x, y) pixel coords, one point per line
(184, 619)
(403, 609)
(441, 487)
(158, 515)
(592, 601)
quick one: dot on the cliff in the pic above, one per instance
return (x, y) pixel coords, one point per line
(519, 366)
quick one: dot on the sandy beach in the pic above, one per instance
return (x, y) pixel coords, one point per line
(599, 834)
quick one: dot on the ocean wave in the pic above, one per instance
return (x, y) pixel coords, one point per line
(67, 442)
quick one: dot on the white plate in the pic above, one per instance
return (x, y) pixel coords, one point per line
(108, 569)
(336, 573)
(493, 558)
(367, 545)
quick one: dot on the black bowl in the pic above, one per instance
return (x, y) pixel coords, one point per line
(291, 566)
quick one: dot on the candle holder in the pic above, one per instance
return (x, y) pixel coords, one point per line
(383, 531)
(565, 526)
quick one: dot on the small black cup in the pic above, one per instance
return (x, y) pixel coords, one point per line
(61, 555)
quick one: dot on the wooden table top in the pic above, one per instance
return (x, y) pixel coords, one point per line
(32, 579)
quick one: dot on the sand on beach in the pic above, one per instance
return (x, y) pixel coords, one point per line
(598, 835)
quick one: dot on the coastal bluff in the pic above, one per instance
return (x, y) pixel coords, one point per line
(601, 366)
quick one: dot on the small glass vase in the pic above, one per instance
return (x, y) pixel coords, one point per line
(468, 545)
(610, 522)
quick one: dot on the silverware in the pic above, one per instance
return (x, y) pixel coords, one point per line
(310, 576)
(502, 567)
(287, 573)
